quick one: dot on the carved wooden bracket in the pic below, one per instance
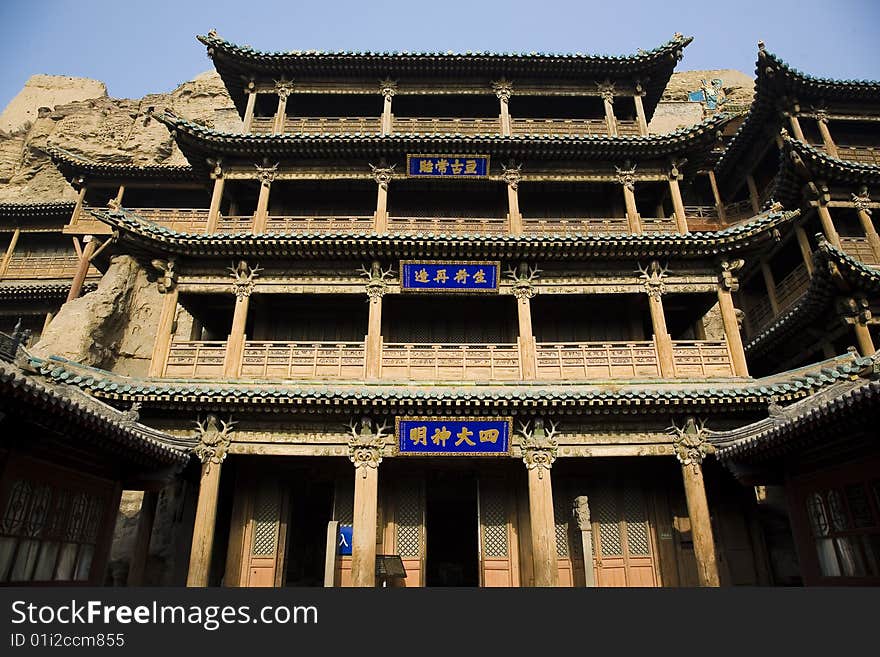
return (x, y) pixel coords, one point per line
(214, 437)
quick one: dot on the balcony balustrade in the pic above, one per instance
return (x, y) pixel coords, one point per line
(36, 266)
(558, 361)
(184, 220)
(860, 249)
(463, 126)
(315, 125)
(448, 225)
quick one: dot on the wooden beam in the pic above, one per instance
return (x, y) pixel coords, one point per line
(701, 524)
(82, 269)
(10, 249)
(363, 539)
(203, 528)
(543, 527)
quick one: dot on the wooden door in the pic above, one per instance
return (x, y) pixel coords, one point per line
(409, 529)
(569, 554)
(343, 513)
(623, 542)
(498, 549)
(265, 535)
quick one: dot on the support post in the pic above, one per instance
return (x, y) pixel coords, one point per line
(691, 447)
(82, 269)
(283, 88)
(387, 88)
(827, 224)
(141, 550)
(235, 343)
(523, 291)
(539, 452)
(606, 90)
(753, 193)
(654, 285)
(863, 339)
(376, 289)
(504, 90)
(585, 525)
(7, 257)
(626, 177)
(119, 194)
(677, 202)
(770, 282)
(382, 175)
(804, 246)
(80, 201)
(266, 176)
(827, 141)
(248, 120)
(719, 205)
(862, 203)
(365, 452)
(164, 333)
(216, 199)
(512, 174)
(640, 110)
(727, 284)
(796, 128)
(331, 554)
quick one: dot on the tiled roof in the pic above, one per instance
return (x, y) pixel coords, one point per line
(73, 166)
(307, 245)
(39, 290)
(51, 209)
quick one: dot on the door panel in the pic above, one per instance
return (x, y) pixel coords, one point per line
(409, 526)
(498, 556)
(266, 535)
(623, 542)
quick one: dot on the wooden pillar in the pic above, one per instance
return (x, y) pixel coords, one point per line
(863, 338)
(504, 90)
(830, 146)
(261, 215)
(606, 90)
(203, 528)
(629, 199)
(828, 224)
(870, 231)
(640, 110)
(10, 249)
(141, 549)
(365, 452)
(235, 343)
(512, 175)
(331, 554)
(80, 200)
(719, 205)
(796, 128)
(543, 527)
(248, 120)
(387, 88)
(804, 245)
(283, 89)
(701, 524)
(119, 194)
(164, 333)
(46, 322)
(374, 332)
(753, 193)
(527, 356)
(83, 268)
(731, 330)
(771, 287)
(216, 200)
(662, 339)
(585, 526)
(678, 204)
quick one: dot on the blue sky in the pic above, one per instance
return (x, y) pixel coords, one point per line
(142, 47)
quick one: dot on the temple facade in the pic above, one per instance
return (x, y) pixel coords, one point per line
(437, 319)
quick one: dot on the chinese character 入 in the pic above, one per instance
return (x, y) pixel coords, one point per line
(441, 276)
(456, 166)
(422, 276)
(441, 436)
(441, 165)
(489, 436)
(461, 276)
(426, 166)
(480, 276)
(464, 437)
(419, 435)
(470, 166)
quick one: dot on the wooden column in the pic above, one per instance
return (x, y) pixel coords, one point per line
(863, 338)
(539, 452)
(503, 90)
(677, 203)
(719, 205)
(828, 224)
(164, 333)
(383, 175)
(203, 528)
(47, 321)
(375, 292)
(216, 200)
(119, 194)
(248, 120)
(728, 284)
(512, 175)
(10, 249)
(266, 176)
(662, 339)
(629, 199)
(365, 452)
(235, 343)
(640, 110)
(804, 245)
(830, 146)
(527, 355)
(80, 200)
(387, 88)
(606, 90)
(753, 193)
(141, 549)
(585, 526)
(771, 287)
(83, 268)
(861, 201)
(283, 89)
(796, 128)
(701, 524)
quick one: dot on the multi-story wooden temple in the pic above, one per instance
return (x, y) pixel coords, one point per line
(437, 319)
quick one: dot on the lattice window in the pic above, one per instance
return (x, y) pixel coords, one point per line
(344, 503)
(493, 514)
(561, 517)
(409, 520)
(605, 513)
(266, 511)
(636, 523)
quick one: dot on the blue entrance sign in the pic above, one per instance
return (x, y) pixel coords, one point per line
(344, 539)
(449, 276)
(447, 436)
(447, 166)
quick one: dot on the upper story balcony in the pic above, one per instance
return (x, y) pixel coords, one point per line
(843, 136)
(41, 256)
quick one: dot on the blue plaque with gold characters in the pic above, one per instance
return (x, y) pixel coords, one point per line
(447, 166)
(449, 276)
(453, 436)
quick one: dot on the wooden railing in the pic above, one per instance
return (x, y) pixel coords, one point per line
(738, 211)
(760, 314)
(575, 127)
(465, 126)
(859, 248)
(450, 362)
(195, 359)
(790, 288)
(579, 225)
(325, 224)
(561, 361)
(185, 220)
(658, 224)
(448, 225)
(860, 154)
(318, 124)
(239, 223)
(303, 360)
(42, 266)
(700, 212)
(702, 358)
